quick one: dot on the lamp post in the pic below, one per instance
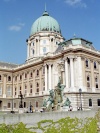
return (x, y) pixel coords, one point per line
(80, 92)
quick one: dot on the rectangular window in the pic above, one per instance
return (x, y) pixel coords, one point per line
(37, 104)
(8, 91)
(9, 105)
(14, 105)
(90, 102)
(98, 102)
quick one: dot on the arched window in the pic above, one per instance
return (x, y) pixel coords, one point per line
(37, 73)
(33, 51)
(9, 78)
(25, 89)
(15, 91)
(51, 39)
(0, 77)
(31, 88)
(88, 81)
(37, 87)
(31, 75)
(88, 78)
(20, 77)
(95, 65)
(25, 75)
(90, 102)
(87, 63)
(36, 40)
(20, 90)
(96, 82)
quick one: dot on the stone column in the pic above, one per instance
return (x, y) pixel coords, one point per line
(22, 84)
(80, 73)
(28, 86)
(92, 76)
(50, 77)
(45, 77)
(66, 73)
(71, 72)
(99, 75)
(4, 86)
(84, 73)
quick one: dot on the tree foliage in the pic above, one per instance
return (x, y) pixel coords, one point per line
(64, 125)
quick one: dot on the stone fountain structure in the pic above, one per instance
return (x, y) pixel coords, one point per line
(57, 100)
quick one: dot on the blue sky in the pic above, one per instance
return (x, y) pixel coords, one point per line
(80, 17)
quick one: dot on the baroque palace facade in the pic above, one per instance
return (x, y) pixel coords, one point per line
(50, 56)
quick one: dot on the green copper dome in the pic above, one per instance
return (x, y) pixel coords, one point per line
(45, 23)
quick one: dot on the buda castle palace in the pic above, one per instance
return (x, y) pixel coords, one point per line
(50, 56)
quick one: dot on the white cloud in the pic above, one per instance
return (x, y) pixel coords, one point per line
(16, 27)
(76, 3)
(21, 24)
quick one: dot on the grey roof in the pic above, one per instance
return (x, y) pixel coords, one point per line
(8, 65)
(75, 41)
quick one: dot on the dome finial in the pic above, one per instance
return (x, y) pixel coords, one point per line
(45, 7)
